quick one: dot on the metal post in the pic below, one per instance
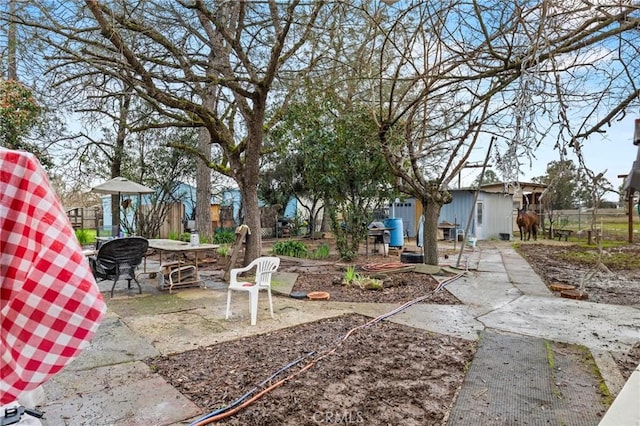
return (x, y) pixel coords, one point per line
(579, 208)
(631, 218)
(632, 182)
(475, 200)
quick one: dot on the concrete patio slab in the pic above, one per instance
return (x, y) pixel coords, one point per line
(521, 275)
(127, 405)
(452, 320)
(202, 321)
(283, 282)
(484, 293)
(609, 370)
(594, 325)
(113, 343)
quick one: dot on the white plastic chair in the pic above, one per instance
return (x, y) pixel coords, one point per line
(265, 267)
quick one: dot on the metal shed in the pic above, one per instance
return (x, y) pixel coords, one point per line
(492, 213)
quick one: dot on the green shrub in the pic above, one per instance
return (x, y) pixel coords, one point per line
(85, 236)
(224, 236)
(224, 250)
(350, 275)
(291, 248)
(322, 252)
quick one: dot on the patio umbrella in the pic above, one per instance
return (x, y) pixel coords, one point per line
(118, 186)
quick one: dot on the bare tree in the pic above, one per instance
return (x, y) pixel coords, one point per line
(449, 75)
(177, 54)
(440, 77)
(164, 170)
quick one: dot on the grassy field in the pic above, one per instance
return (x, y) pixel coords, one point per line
(612, 223)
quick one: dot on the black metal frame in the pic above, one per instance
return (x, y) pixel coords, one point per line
(118, 259)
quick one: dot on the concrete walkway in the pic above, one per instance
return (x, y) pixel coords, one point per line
(109, 384)
(508, 297)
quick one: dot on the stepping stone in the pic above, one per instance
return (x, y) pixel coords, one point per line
(574, 294)
(561, 287)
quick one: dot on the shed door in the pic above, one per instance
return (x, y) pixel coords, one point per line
(479, 219)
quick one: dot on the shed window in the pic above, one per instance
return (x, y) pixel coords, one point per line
(479, 214)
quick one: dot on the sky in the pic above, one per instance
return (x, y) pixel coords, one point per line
(613, 151)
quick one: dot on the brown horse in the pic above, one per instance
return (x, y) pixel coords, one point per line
(528, 224)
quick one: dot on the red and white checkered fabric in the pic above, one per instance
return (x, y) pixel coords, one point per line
(50, 305)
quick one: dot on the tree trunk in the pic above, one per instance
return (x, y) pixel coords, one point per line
(431, 211)
(203, 187)
(116, 163)
(12, 41)
(248, 181)
(253, 245)
(324, 226)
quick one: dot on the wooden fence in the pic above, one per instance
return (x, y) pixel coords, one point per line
(85, 217)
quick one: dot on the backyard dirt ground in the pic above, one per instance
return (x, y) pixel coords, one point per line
(352, 372)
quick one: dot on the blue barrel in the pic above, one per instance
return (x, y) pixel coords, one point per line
(397, 234)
